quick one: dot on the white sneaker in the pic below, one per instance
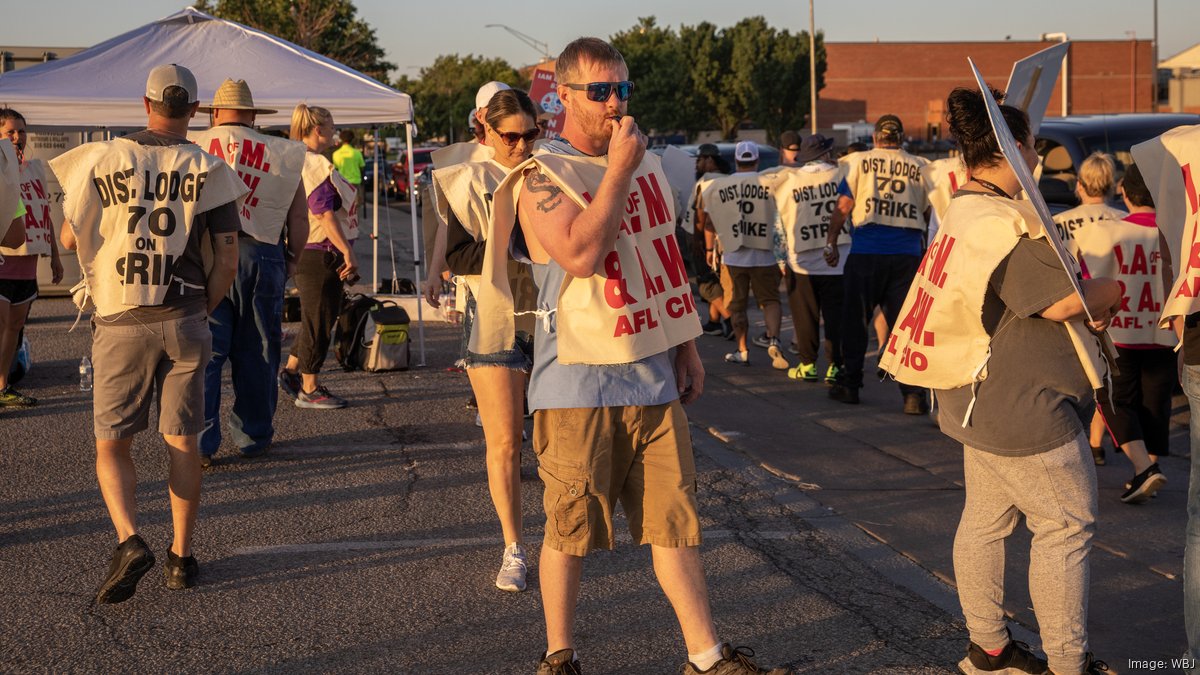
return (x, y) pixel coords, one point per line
(512, 569)
(738, 357)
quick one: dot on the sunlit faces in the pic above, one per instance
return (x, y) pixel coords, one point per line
(593, 117)
(521, 130)
(321, 138)
(14, 130)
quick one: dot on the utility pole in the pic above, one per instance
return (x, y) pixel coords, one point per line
(812, 66)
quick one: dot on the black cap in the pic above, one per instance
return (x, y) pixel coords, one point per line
(813, 147)
(889, 125)
(709, 150)
(789, 140)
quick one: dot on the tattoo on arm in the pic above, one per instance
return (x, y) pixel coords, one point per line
(228, 239)
(535, 181)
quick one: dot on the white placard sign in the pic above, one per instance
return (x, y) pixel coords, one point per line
(680, 168)
(1032, 82)
(1008, 146)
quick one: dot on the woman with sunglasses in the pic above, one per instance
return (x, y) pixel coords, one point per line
(463, 194)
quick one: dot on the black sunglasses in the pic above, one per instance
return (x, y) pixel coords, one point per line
(600, 91)
(510, 138)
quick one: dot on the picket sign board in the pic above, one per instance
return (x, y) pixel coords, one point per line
(1008, 146)
(544, 92)
(1032, 82)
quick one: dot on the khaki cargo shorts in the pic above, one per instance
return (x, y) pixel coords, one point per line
(135, 364)
(739, 281)
(591, 458)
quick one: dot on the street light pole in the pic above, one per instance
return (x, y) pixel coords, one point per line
(812, 66)
(527, 39)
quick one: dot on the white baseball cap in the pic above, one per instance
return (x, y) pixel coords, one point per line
(171, 75)
(746, 151)
(487, 91)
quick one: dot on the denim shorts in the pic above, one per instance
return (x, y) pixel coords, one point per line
(519, 357)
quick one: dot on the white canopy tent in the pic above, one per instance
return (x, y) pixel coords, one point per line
(102, 88)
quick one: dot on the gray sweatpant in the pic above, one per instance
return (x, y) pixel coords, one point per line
(1056, 491)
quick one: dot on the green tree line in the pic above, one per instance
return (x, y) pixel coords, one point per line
(687, 80)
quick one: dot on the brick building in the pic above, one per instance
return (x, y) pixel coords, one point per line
(912, 79)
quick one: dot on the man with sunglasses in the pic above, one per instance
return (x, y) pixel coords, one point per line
(605, 389)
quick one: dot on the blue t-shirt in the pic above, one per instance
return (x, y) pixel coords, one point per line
(872, 238)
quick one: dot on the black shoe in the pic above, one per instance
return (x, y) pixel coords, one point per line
(181, 572)
(727, 326)
(1144, 485)
(131, 559)
(472, 404)
(1015, 658)
(713, 328)
(914, 404)
(1094, 666)
(561, 662)
(256, 452)
(205, 461)
(840, 392)
(1098, 456)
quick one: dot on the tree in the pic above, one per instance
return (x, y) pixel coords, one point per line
(328, 27)
(708, 54)
(660, 71)
(444, 92)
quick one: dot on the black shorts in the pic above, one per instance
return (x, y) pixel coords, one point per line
(18, 291)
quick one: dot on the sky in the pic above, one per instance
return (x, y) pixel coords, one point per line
(414, 33)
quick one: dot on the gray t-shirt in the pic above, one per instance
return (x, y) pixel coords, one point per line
(181, 300)
(1036, 396)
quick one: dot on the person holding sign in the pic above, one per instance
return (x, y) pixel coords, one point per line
(139, 210)
(886, 197)
(739, 214)
(983, 326)
(1138, 413)
(806, 197)
(274, 228)
(19, 264)
(327, 263)
(463, 193)
(615, 355)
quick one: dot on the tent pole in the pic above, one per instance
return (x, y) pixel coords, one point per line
(418, 254)
(375, 213)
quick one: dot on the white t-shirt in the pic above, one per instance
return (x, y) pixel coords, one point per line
(813, 261)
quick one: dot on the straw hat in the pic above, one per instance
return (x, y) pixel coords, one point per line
(234, 95)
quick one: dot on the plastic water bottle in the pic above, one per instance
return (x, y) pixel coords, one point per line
(85, 374)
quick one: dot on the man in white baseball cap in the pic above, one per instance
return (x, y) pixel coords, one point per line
(482, 97)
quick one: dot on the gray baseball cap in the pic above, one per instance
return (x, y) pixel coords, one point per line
(171, 75)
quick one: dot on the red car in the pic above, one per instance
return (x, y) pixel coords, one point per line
(422, 160)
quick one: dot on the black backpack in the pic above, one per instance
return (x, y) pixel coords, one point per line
(348, 336)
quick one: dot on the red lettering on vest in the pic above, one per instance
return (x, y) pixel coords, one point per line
(1119, 254)
(653, 286)
(215, 149)
(667, 249)
(953, 182)
(914, 322)
(616, 288)
(935, 258)
(656, 206)
(681, 305)
(1190, 288)
(39, 189)
(252, 155)
(1139, 264)
(251, 182)
(1146, 299)
(1189, 187)
(623, 327)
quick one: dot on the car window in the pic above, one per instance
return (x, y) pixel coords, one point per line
(422, 157)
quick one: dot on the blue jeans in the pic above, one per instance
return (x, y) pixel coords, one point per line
(247, 331)
(1191, 552)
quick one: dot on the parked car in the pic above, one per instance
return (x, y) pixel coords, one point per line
(1064, 142)
(368, 177)
(768, 156)
(422, 161)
